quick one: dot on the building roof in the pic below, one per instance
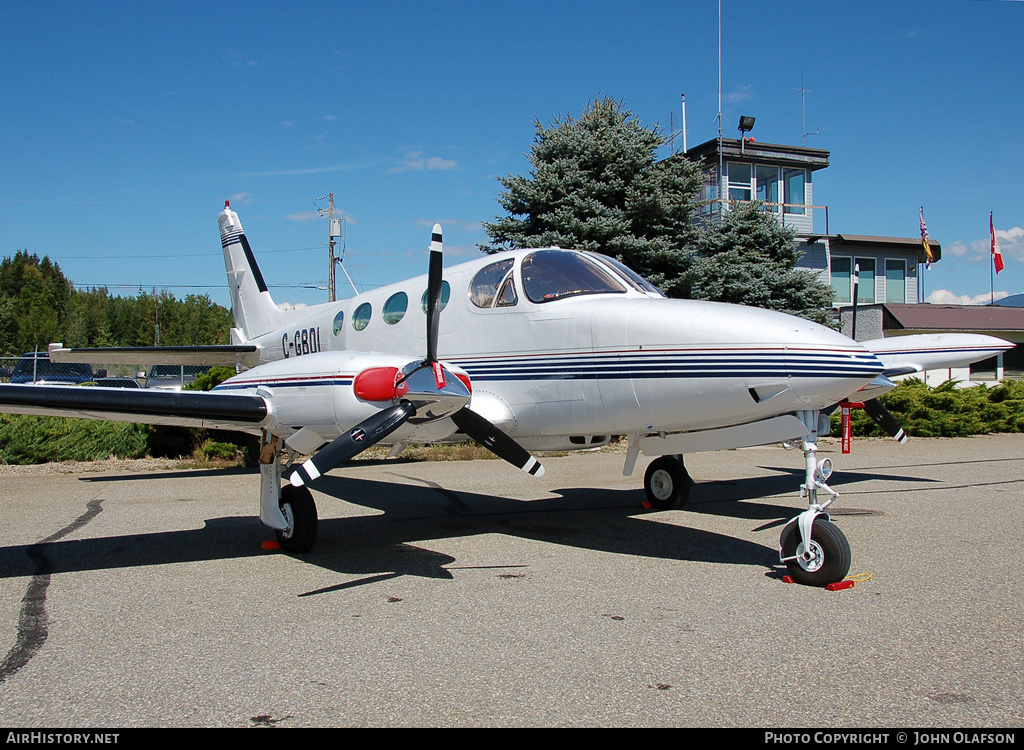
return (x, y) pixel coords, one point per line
(929, 317)
(881, 243)
(762, 153)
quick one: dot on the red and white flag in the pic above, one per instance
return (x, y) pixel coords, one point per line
(997, 257)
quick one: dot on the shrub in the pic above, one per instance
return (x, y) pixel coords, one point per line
(946, 411)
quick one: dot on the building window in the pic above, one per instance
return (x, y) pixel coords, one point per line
(985, 370)
(767, 185)
(866, 276)
(794, 181)
(1013, 363)
(842, 271)
(739, 181)
(895, 280)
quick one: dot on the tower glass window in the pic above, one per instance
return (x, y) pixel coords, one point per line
(895, 280)
(795, 181)
(767, 185)
(739, 181)
(866, 274)
(842, 272)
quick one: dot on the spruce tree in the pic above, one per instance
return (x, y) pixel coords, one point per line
(595, 184)
(749, 258)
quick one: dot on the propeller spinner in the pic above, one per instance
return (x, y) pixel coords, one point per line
(424, 390)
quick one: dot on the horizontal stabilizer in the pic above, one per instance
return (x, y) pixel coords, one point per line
(144, 356)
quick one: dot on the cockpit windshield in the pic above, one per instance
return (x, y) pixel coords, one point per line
(639, 282)
(555, 274)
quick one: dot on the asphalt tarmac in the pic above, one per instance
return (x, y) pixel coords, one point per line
(469, 594)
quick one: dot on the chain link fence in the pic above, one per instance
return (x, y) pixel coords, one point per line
(36, 367)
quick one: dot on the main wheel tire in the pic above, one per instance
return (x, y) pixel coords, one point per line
(830, 553)
(667, 483)
(300, 510)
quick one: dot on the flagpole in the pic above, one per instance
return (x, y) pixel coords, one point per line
(991, 266)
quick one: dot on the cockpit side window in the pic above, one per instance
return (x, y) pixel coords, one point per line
(507, 297)
(637, 281)
(484, 286)
(555, 274)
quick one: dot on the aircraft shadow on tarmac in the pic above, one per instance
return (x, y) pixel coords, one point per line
(382, 546)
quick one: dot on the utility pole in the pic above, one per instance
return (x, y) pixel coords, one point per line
(334, 231)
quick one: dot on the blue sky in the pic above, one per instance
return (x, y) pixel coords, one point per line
(125, 126)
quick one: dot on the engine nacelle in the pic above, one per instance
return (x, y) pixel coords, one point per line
(317, 392)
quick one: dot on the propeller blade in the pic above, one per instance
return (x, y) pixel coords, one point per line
(884, 419)
(434, 293)
(359, 438)
(496, 441)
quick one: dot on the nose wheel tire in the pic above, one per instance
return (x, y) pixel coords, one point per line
(825, 560)
(667, 483)
(300, 512)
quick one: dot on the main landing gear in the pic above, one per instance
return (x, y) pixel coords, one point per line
(288, 510)
(667, 483)
(299, 511)
(814, 550)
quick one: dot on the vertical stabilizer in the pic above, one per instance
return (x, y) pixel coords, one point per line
(253, 308)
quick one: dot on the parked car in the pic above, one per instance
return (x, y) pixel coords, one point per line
(173, 377)
(116, 382)
(36, 367)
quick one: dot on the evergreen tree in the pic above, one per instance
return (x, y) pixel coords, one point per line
(595, 184)
(36, 295)
(38, 305)
(749, 258)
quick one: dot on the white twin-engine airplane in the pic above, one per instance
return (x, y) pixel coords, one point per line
(542, 349)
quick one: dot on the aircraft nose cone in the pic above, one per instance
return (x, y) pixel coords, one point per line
(825, 366)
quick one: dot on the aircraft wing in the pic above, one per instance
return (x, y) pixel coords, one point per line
(905, 355)
(245, 413)
(227, 355)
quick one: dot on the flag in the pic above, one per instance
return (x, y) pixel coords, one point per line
(997, 257)
(924, 241)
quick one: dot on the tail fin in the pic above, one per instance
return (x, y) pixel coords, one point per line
(253, 308)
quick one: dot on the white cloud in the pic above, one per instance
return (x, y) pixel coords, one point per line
(305, 216)
(1011, 245)
(741, 94)
(946, 297)
(416, 162)
(240, 199)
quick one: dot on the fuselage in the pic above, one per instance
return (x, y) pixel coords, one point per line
(559, 343)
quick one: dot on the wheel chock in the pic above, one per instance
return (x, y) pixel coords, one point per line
(646, 505)
(270, 544)
(837, 586)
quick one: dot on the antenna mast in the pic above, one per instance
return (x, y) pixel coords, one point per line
(718, 177)
(803, 108)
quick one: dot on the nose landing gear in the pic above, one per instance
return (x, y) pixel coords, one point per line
(814, 550)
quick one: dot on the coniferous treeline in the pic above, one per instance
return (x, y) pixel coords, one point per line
(38, 305)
